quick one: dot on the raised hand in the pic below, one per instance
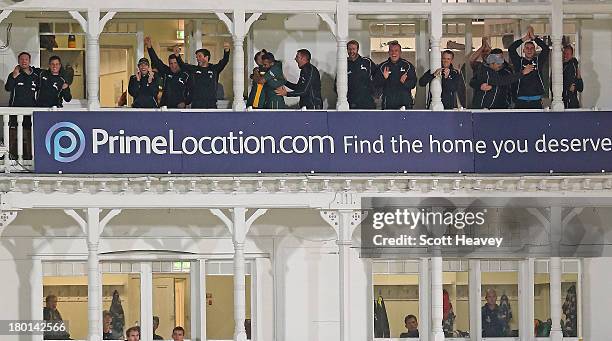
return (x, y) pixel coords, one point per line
(386, 72)
(16, 71)
(438, 72)
(226, 46)
(150, 76)
(403, 78)
(176, 50)
(147, 42)
(446, 72)
(138, 75)
(527, 69)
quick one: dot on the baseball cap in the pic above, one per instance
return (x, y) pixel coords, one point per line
(143, 61)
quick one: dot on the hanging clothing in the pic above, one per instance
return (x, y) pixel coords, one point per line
(381, 322)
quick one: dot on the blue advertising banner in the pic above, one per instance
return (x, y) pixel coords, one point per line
(322, 142)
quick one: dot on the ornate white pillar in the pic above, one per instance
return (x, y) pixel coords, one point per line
(197, 278)
(238, 60)
(341, 63)
(555, 299)
(36, 293)
(475, 296)
(526, 303)
(422, 62)
(344, 222)
(424, 299)
(557, 55)
(92, 227)
(146, 301)
(435, 29)
(239, 226)
(93, 26)
(436, 299)
(238, 28)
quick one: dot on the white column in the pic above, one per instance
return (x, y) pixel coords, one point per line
(555, 298)
(93, 273)
(436, 299)
(341, 62)
(146, 301)
(36, 293)
(238, 60)
(344, 243)
(239, 219)
(468, 69)
(93, 226)
(435, 29)
(93, 71)
(422, 61)
(198, 300)
(526, 301)
(424, 302)
(557, 55)
(474, 300)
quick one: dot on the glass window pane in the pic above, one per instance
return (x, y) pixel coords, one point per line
(65, 298)
(120, 303)
(396, 296)
(500, 310)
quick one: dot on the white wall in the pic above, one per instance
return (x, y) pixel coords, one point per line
(595, 61)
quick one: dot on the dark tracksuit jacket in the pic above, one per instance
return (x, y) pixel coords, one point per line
(395, 94)
(532, 84)
(23, 92)
(144, 93)
(174, 85)
(50, 92)
(274, 79)
(204, 80)
(450, 87)
(497, 97)
(308, 88)
(360, 83)
(570, 72)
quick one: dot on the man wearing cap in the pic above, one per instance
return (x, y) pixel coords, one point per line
(529, 90)
(175, 92)
(452, 82)
(204, 77)
(397, 77)
(490, 83)
(143, 86)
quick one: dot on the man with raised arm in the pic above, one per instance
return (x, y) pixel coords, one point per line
(530, 89)
(204, 77)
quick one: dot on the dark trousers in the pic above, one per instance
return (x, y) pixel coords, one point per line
(520, 104)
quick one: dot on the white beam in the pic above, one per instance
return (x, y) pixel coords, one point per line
(527, 295)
